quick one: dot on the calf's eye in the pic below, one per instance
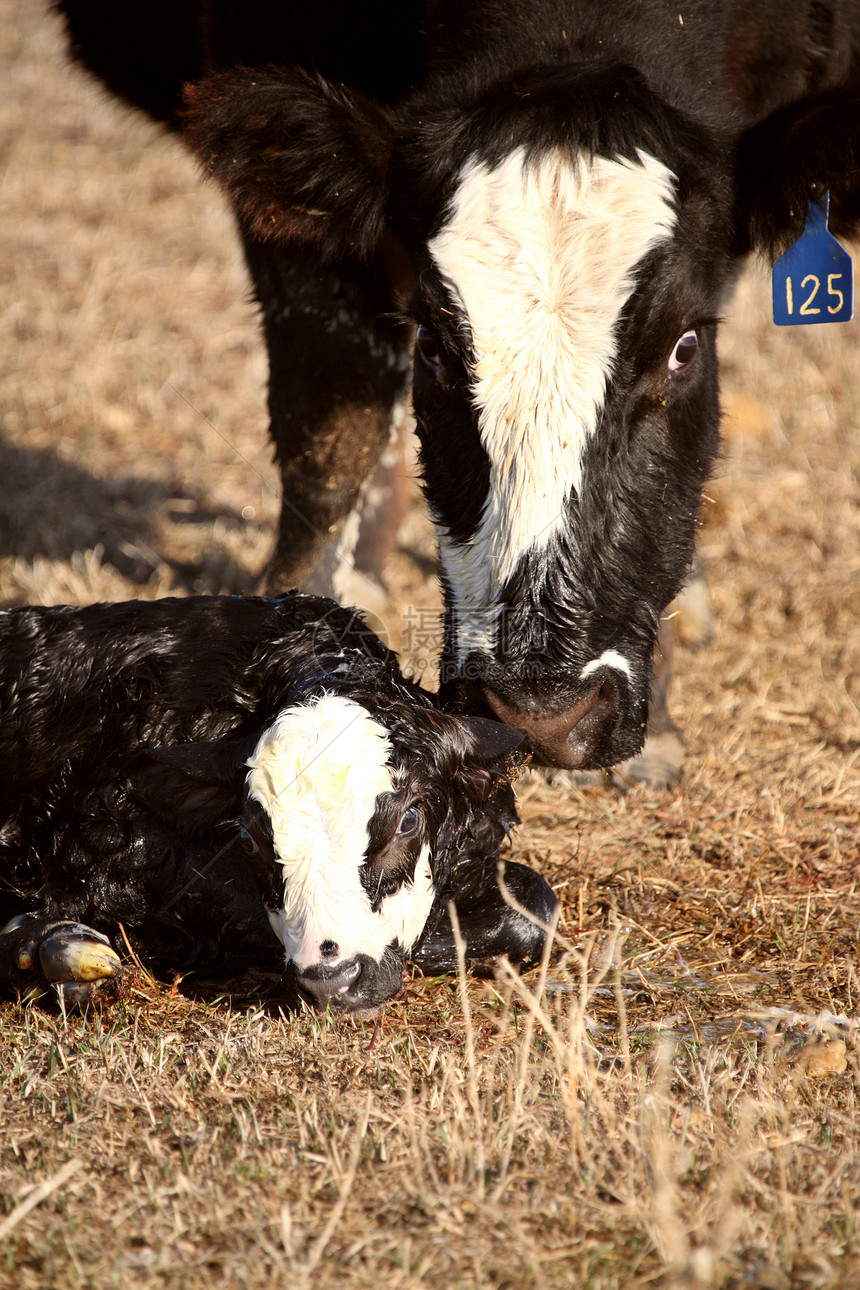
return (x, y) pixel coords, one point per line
(408, 822)
(684, 352)
(428, 348)
(248, 842)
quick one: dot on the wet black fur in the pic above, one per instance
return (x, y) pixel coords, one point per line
(340, 158)
(123, 735)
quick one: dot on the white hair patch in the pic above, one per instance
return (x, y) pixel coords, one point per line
(542, 256)
(609, 658)
(317, 772)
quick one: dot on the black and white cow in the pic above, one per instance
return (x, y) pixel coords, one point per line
(559, 194)
(209, 771)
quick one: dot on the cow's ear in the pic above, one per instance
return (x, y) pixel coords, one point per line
(793, 158)
(194, 786)
(302, 159)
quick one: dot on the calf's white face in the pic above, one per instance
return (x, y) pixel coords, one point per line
(318, 773)
(542, 255)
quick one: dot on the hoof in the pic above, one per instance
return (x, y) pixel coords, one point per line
(71, 952)
(558, 778)
(77, 961)
(657, 766)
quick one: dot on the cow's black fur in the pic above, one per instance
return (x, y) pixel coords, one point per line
(341, 158)
(124, 733)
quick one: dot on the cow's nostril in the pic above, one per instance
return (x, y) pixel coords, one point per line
(588, 739)
(577, 736)
(328, 949)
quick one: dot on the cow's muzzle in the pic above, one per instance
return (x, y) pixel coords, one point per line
(595, 730)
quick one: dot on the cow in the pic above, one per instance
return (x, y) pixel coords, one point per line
(544, 204)
(245, 782)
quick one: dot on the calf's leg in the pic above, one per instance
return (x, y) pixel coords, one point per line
(37, 953)
(489, 926)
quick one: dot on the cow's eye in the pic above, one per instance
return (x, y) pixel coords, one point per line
(248, 842)
(684, 352)
(428, 348)
(408, 822)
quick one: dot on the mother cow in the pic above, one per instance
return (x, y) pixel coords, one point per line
(559, 194)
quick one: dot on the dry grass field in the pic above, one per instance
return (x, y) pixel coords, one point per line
(673, 1100)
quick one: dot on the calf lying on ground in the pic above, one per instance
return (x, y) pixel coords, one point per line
(210, 771)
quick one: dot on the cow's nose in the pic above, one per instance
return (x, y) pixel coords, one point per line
(325, 984)
(575, 737)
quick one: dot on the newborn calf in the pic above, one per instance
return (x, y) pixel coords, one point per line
(218, 772)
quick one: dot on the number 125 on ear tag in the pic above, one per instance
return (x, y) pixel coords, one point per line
(813, 281)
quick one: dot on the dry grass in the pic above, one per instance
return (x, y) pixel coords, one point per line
(673, 1102)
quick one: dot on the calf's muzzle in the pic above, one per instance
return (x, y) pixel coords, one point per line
(325, 984)
(358, 984)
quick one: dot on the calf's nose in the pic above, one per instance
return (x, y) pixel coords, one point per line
(576, 737)
(324, 984)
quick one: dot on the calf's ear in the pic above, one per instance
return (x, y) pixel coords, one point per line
(494, 742)
(302, 159)
(194, 786)
(793, 158)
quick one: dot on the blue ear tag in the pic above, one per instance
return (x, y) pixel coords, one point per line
(813, 281)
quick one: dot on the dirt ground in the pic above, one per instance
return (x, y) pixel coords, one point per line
(673, 1099)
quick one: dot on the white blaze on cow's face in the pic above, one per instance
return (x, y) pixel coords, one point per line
(542, 256)
(317, 772)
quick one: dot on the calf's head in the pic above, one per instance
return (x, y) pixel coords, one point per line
(351, 813)
(563, 240)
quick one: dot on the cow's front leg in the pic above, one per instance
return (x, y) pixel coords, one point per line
(691, 612)
(337, 387)
(690, 620)
(37, 953)
(659, 763)
(490, 927)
